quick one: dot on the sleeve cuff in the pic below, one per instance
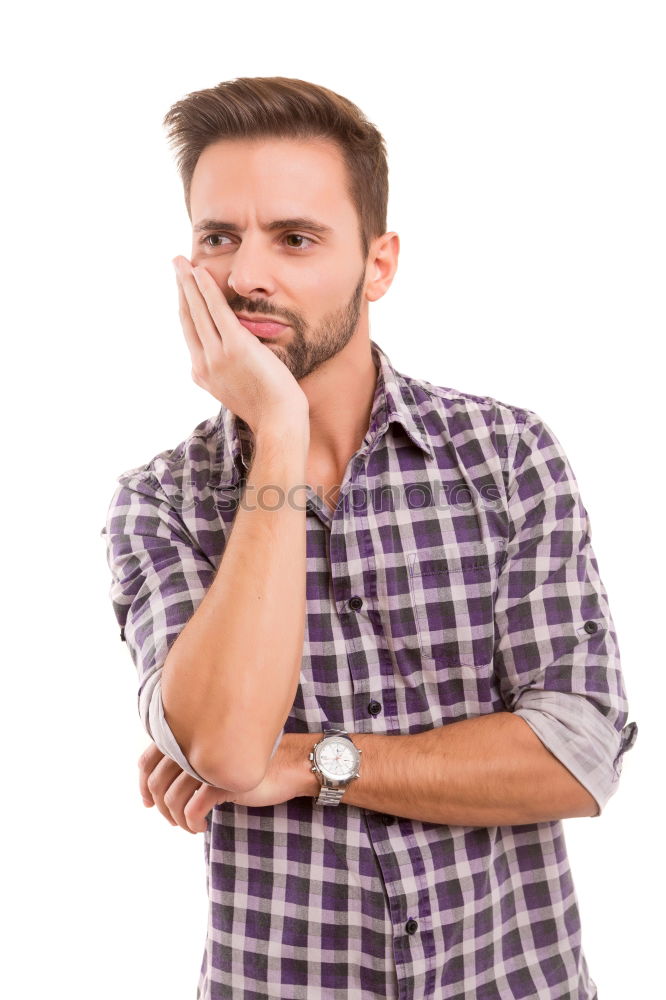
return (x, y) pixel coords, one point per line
(580, 737)
(161, 734)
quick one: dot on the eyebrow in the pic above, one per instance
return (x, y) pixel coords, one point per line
(300, 222)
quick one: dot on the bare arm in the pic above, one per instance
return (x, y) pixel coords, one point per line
(230, 678)
(487, 770)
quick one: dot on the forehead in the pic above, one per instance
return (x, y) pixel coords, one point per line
(272, 178)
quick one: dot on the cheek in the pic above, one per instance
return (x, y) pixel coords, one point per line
(326, 287)
(218, 271)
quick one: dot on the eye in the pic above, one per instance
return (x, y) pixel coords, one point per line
(211, 236)
(214, 236)
(299, 237)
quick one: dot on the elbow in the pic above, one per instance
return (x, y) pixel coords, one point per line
(235, 778)
(229, 764)
(225, 775)
(223, 767)
(224, 755)
(238, 760)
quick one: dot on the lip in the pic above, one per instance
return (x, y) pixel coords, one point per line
(262, 328)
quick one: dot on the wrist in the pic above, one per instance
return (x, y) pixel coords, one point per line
(301, 744)
(311, 781)
(291, 429)
(285, 448)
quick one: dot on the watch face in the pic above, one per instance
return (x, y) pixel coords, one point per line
(336, 758)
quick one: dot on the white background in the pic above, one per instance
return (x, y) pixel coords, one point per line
(527, 165)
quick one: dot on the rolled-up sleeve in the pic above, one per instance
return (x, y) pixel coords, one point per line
(556, 653)
(159, 578)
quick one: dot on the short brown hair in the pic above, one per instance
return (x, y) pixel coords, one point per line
(282, 107)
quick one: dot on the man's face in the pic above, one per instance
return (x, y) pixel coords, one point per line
(313, 281)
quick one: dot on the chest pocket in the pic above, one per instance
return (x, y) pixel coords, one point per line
(453, 599)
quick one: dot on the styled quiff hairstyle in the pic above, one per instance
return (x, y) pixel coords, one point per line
(281, 107)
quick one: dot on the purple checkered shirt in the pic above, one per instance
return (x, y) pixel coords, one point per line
(460, 527)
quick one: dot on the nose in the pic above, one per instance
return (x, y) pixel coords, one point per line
(250, 270)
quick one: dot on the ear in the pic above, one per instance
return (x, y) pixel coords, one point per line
(382, 265)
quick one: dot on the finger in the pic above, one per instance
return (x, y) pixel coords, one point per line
(178, 795)
(159, 781)
(194, 345)
(219, 311)
(200, 804)
(148, 761)
(209, 334)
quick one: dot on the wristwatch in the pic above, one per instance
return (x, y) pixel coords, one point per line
(337, 762)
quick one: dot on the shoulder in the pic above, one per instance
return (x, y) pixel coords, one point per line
(462, 416)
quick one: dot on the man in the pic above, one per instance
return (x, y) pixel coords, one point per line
(351, 555)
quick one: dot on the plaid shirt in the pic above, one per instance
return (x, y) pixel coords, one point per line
(455, 578)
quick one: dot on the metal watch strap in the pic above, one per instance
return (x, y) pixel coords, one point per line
(329, 796)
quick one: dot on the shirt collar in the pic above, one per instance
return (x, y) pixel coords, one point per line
(393, 402)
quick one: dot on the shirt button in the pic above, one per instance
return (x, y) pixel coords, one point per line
(386, 819)
(590, 627)
(374, 708)
(411, 926)
(355, 603)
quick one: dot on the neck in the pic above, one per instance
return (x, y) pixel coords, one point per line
(340, 395)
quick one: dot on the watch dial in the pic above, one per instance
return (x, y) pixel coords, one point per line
(337, 758)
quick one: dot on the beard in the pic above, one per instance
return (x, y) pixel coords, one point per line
(303, 355)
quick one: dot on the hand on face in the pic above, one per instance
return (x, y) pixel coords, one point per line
(227, 360)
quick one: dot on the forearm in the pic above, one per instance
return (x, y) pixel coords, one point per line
(490, 770)
(230, 678)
